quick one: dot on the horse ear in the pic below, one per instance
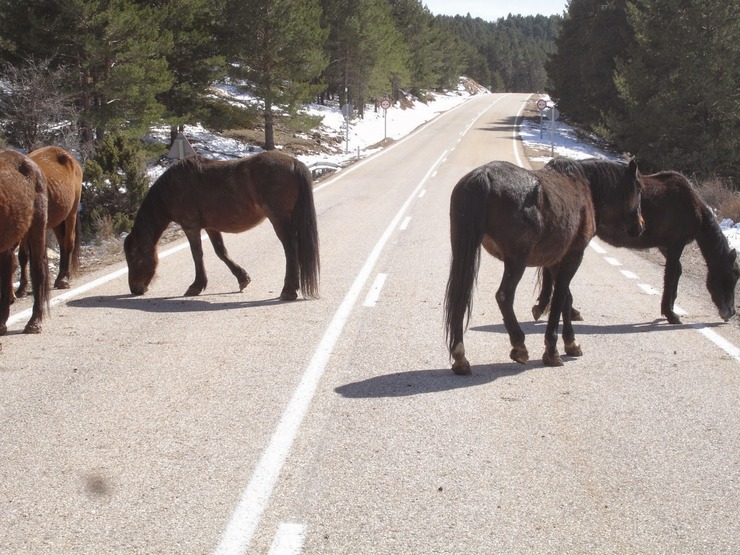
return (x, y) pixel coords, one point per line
(733, 254)
(633, 167)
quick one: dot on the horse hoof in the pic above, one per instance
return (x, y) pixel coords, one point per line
(519, 354)
(34, 327)
(461, 367)
(288, 295)
(575, 315)
(573, 349)
(551, 360)
(3, 329)
(243, 284)
(20, 293)
(63, 284)
(537, 312)
(673, 319)
(192, 291)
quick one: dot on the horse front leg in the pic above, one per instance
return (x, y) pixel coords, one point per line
(217, 240)
(196, 249)
(513, 272)
(671, 275)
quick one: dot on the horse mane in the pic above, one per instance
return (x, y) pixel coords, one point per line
(712, 242)
(608, 174)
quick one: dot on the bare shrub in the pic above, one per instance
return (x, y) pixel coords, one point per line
(720, 195)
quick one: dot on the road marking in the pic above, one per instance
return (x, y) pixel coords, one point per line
(289, 539)
(422, 193)
(649, 289)
(595, 246)
(515, 135)
(241, 527)
(718, 340)
(405, 223)
(713, 336)
(59, 299)
(374, 294)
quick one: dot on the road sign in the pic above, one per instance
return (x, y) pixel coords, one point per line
(541, 104)
(385, 104)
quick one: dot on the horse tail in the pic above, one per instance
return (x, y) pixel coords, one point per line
(467, 227)
(305, 230)
(74, 259)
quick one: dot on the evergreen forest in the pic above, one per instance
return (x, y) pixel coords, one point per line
(657, 78)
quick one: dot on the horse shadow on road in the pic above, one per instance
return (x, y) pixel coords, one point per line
(170, 304)
(418, 382)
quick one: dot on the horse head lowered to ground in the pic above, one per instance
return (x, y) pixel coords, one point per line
(532, 218)
(674, 216)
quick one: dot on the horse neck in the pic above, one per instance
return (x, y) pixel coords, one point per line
(151, 219)
(712, 242)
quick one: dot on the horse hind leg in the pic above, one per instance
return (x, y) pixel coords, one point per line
(289, 241)
(217, 240)
(65, 239)
(505, 298)
(22, 288)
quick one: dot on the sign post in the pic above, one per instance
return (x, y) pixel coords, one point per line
(385, 104)
(541, 105)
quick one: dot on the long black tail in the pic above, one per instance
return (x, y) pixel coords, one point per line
(467, 227)
(306, 232)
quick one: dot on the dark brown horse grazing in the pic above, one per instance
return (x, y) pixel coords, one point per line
(23, 213)
(230, 196)
(674, 216)
(64, 181)
(532, 218)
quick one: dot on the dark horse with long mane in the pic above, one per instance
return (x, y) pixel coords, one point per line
(532, 218)
(230, 196)
(674, 216)
(23, 214)
(64, 182)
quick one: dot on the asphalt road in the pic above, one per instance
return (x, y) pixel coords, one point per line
(236, 423)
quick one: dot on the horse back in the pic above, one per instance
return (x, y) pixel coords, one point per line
(63, 175)
(23, 198)
(536, 216)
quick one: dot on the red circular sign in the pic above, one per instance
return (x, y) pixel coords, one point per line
(385, 104)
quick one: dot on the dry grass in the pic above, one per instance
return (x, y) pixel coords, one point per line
(720, 195)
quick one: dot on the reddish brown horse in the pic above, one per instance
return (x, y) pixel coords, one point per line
(532, 218)
(23, 214)
(674, 216)
(230, 196)
(64, 181)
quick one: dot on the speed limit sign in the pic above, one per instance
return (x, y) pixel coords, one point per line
(385, 104)
(541, 104)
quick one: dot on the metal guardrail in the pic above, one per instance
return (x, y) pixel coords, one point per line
(321, 168)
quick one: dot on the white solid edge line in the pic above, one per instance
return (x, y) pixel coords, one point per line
(59, 299)
(241, 527)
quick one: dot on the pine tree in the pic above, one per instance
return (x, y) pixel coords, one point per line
(680, 86)
(278, 47)
(115, 50)
(594, 34)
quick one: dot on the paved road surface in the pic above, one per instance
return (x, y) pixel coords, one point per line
(235, 423)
